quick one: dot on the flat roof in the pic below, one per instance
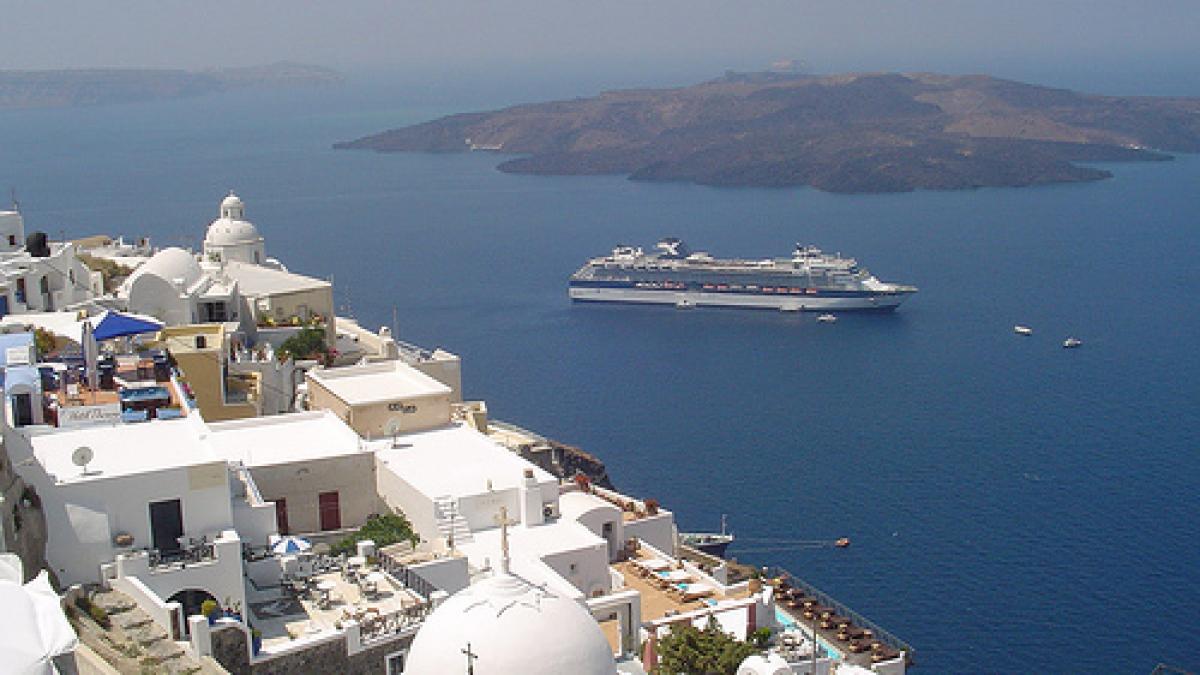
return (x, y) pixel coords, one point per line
(529, 546)
(124, 449)
(256, 280)
(455, 460)
(377, 382)
(280, 439)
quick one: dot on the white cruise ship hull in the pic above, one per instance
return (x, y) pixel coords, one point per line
(883, 301)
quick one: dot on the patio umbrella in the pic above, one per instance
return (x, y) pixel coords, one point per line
(116, 324)
(91, 355)
(33, 628)
(291, 545)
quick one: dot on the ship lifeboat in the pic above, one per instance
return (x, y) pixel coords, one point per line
(842, 543)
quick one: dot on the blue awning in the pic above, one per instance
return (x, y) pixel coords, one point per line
(115, 324)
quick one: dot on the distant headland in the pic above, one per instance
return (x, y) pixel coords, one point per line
(864, 132)
(97, 86)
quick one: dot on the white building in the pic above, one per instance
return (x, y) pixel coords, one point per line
(40, 276)
(233, 281)
(510, 626)
(173, 288)
(381, 399)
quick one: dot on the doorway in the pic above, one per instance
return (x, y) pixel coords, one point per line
(331, 512)
(166, 525)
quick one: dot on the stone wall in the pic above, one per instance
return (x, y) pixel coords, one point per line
(230, 650)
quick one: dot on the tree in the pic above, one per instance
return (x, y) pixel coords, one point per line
(383, 530)
(712, 651)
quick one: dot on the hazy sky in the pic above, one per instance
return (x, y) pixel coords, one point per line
(601, 34)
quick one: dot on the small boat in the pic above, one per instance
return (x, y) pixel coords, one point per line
(842, 543)
(1071, 343)
(1022, 330)
(827, 318)
(685, 303)
(707, 542)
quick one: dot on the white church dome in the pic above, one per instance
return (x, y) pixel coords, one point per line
(224, 232)
(169, 265)
(510, 626)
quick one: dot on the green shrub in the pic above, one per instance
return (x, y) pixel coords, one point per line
(383, 530)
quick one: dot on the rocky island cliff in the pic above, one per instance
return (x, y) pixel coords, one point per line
(97, 86)
(844, 133)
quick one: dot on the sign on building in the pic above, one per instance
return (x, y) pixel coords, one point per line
(89, 415)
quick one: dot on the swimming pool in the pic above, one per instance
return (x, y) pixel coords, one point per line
(787, 621)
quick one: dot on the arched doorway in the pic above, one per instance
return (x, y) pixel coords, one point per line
(190, 600)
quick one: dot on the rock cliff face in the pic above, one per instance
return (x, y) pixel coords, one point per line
(846, 133)
(60, 88)
(564, 461)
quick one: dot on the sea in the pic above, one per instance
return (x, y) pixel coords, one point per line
(1013, 506)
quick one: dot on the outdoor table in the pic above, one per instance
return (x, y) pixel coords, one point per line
(325, 587)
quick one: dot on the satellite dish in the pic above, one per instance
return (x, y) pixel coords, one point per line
(82, 456)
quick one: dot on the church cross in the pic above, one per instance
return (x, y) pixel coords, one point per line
(504, 523)
(471, 656)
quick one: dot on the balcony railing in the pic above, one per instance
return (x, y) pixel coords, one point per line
(195, 551)
(859, 620)
(394, 623)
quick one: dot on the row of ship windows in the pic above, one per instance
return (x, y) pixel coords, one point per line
(677, 286)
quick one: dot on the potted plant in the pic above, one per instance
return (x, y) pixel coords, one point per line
(256, 640)
(584, 483)
(210, 610)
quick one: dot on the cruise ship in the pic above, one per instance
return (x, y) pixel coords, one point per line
(810, 280)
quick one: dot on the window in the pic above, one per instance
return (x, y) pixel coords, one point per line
(395, 662)
(330, 511)
(20, 292)
(12, 240)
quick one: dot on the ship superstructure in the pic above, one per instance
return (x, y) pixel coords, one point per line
(810, 280)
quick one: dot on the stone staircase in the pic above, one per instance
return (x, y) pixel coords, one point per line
(133, 642)
(451, 523)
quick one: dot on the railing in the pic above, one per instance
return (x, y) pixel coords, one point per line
(196, 551)
(859, 620)
(413, 352)
(397, 622)
(514, 429)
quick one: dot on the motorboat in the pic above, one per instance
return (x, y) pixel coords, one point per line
(1022, 330)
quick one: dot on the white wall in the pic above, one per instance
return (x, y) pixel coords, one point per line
(448, 574)
(156, 297)
(399, 495)
(590, 574)
(658, 531)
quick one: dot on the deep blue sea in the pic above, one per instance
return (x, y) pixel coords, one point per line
(1013, 506)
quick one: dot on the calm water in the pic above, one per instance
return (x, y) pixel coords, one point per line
(1014, 507)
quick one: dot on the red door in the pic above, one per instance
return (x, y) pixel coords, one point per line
(281, 522)
(331, 513)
